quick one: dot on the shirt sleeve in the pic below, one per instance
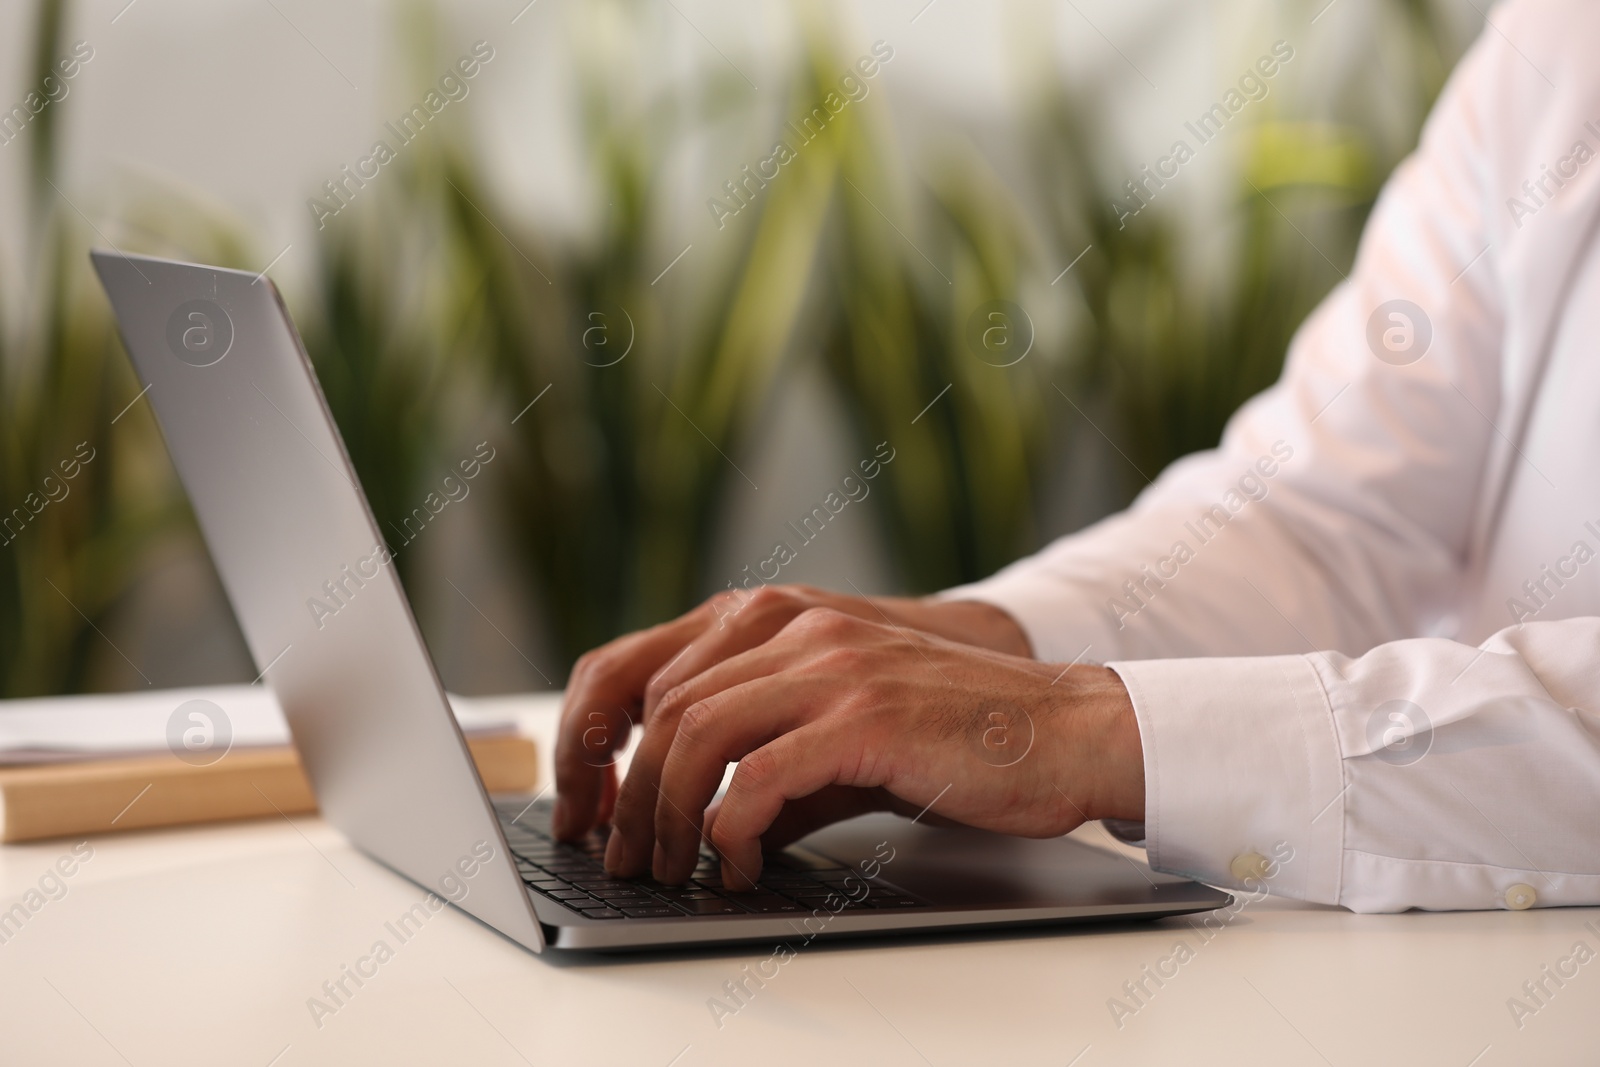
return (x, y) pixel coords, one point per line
(1426, 773)
(1337, 511)
(1280, 607)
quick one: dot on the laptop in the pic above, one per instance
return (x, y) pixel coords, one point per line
(288, 527)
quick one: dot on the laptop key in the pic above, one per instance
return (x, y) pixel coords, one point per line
(782, 877)
(547, 883)
(763, 902)
(656, 911)
(715, 906)
(568, 894)
(621, 894)
(773, 905)
(603, 913)
(651, 884)
(687, 894)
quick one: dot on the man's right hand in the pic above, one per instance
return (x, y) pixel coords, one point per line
(619, 684)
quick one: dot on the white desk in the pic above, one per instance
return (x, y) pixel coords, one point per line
(203, 946)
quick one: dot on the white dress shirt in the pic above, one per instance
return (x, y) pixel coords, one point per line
(1364, 631)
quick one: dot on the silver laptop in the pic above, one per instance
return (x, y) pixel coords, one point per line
(288, 526)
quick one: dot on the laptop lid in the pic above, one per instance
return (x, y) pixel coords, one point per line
(289, 529)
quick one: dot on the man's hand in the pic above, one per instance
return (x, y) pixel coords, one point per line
(621, 683)
(830, 713)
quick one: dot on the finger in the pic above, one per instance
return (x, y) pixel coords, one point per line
(608, 794)
(743, 622)
(630, 851)
(795, 765)
(831, 804)
(610, 682)
(711, 734)
(782, 654)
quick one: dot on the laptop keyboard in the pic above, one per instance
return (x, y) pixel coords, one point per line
(574, 876)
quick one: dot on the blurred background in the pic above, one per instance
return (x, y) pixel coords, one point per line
(678, 267)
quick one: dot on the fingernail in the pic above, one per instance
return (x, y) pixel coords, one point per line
(614, 851)
(730, 873)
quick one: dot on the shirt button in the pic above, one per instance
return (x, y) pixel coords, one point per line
(1521, 897)
(1247, 865)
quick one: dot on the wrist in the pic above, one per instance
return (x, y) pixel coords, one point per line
(1124, 751)
(974, 622)
(1102, 739)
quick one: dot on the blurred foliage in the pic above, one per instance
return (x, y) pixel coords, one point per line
(1174, 350)
(382, 323)
(621, 393)
(72, 544)
(906, 347)
(86, 492)
(619, 473)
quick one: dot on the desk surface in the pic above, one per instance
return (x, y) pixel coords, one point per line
(205, 946)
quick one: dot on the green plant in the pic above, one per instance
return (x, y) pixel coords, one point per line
(619, 471)
(904, 348)
(86, 492)
(382, 323)
(437, 314)
(1171, 351)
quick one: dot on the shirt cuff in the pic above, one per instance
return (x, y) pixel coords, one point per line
(1244, 781)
